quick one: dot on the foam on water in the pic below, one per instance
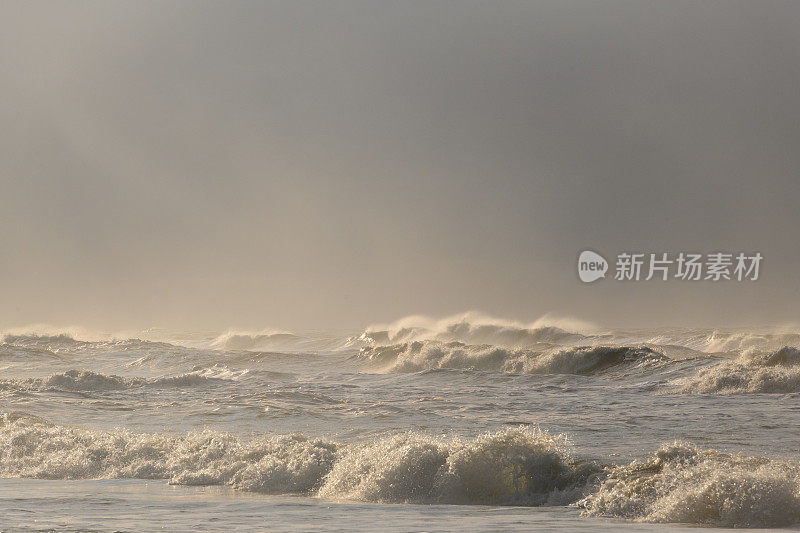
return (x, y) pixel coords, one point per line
(61, 343)
(263, 340)
(88, 380)
(434, 355)
(512, 467)
(460, 375)
(741, 341)
(770, 372)
(516, 466)
(681, 483)
(477, 328)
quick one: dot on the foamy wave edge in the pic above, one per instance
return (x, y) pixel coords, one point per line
(474, 327)
(420, 356)
(752, 372)
(88, 381)
(681, 483)
(517, 466)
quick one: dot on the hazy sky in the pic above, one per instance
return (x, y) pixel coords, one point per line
(333, 164)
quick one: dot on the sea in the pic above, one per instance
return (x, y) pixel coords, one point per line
(463, 423)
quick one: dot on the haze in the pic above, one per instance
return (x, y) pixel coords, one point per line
(336, 164)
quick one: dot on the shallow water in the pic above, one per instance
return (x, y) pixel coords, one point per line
(134, 505)
(468, 423)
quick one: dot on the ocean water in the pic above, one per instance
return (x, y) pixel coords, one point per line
(467, 423)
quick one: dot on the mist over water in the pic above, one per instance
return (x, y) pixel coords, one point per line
(202, 165)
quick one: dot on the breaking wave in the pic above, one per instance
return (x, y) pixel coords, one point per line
(770, 372)
(434, 355)
(512, 467)
(67, 343)
(681, 483)
(87, 380)
(475, 328)
(255, 341)
(742, 341)
(517, 466)
(271, 341)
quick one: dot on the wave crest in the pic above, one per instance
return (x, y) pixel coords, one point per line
(66, 343)
(513, 467)
(517, 466)
(88, 381)
(433, 355)
(232, 340)
(742, 341)
(681, 483)
(752, 372)
(475, 328)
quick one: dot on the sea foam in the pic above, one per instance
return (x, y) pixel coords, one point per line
(477, 328)
(764, 372)
(434, 355)
(681, 483)
(516, 466)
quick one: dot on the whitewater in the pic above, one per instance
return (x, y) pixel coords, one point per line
(467, 422)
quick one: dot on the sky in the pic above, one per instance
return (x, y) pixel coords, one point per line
(334, 164)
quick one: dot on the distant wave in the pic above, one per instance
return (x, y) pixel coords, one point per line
(434, 355)
(469, 328)
(475, 328)
(681, 483)
(87, 380)
(743, 341)
(281, 341)
(716, 341)
(232, 340)
(770, 372)
(64, 342)
(516, 466)
(46, 340)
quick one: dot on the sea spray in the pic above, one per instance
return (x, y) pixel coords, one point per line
(753, 371)
(682, 483)
(434, 355)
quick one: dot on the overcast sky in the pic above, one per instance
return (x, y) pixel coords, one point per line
(334, 164)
